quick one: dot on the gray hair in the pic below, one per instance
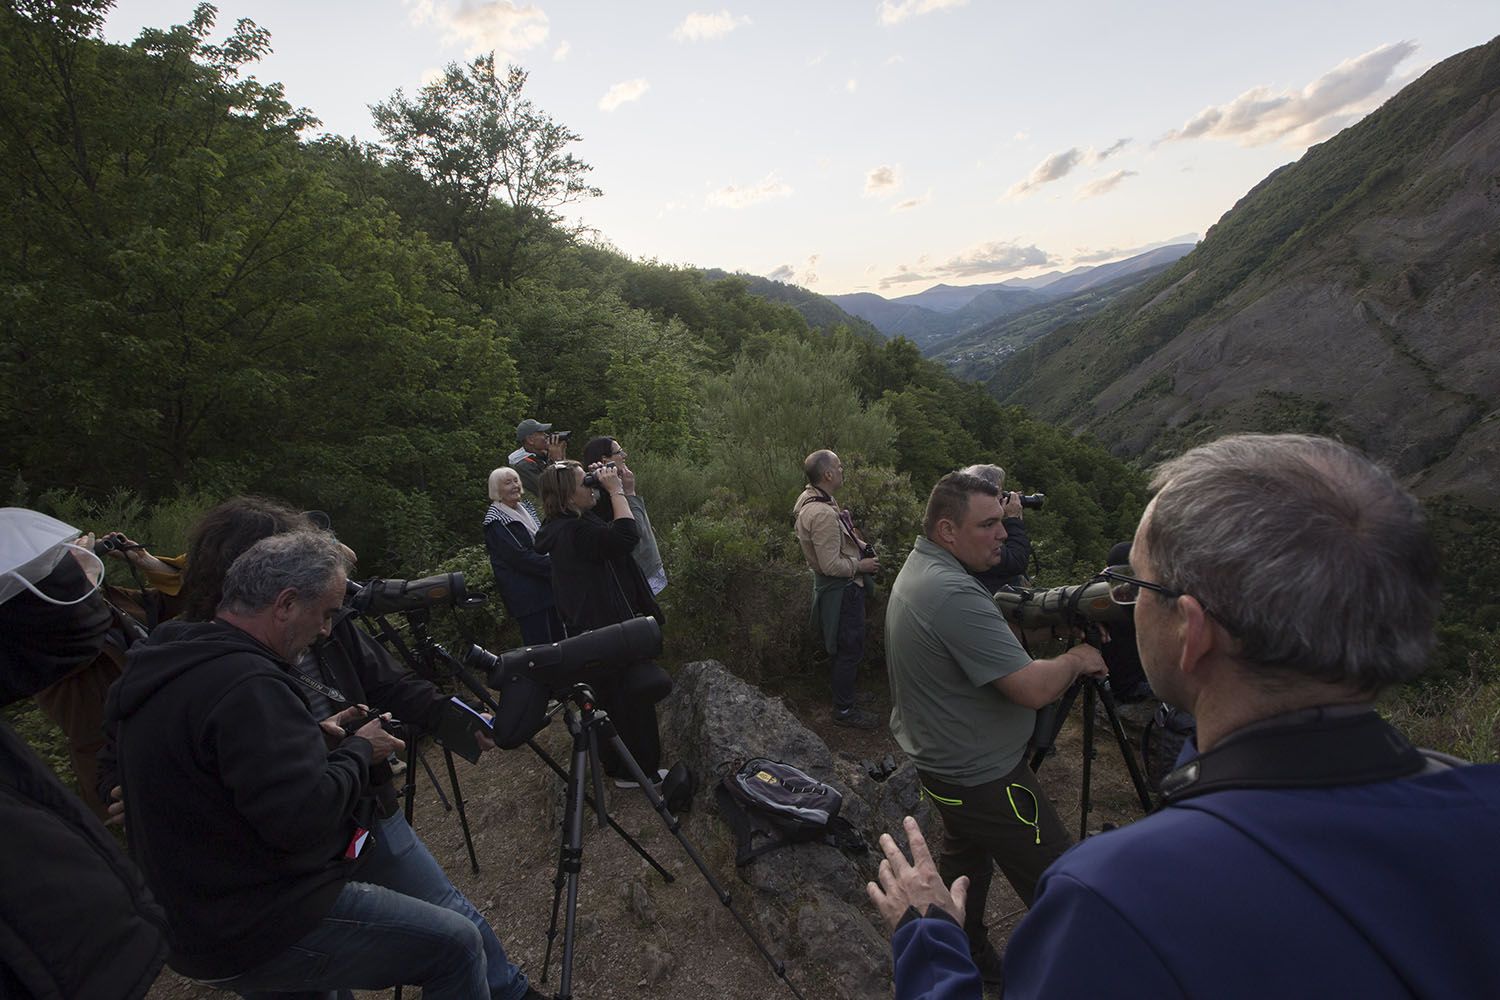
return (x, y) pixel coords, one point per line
(304, 561)
(816, 465)
(989, 473)
(1315, 559)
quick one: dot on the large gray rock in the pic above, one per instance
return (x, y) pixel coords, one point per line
(807, 899)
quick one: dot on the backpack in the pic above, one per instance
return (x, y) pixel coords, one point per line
(769, 804)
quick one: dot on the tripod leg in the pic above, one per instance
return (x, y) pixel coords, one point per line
(463, 817)
(1137, 776)
(432, 777)
(1084, 803)
(569, 856)
(648, 788)
(1049, 723)
(624, 834)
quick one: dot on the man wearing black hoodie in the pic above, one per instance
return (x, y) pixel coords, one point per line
(249, 818)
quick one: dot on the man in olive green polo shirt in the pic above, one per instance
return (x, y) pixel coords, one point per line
(965, 696)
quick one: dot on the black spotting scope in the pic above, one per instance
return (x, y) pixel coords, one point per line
(383, 597)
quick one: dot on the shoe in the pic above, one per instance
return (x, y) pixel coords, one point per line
(991, 967)
(632, 783)
(533, 994)
(864, 698)
(856, 718)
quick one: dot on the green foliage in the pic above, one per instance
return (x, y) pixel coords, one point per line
(44, 736)
(1459, 714)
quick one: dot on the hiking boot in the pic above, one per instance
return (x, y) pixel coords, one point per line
(991, 967)
(856, 718)
(629, 782)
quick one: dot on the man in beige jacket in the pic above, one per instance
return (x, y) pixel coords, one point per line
(841, 562)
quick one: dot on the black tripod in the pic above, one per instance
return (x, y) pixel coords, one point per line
(589, 725)
(1049, 723)
(424, 667)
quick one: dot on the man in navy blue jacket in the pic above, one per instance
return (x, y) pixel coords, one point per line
(1305, 848)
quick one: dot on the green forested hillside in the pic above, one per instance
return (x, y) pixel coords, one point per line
(202, 296)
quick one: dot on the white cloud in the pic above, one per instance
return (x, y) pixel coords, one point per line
(622, 93)
(786, 272)
(1099, 156)
(911, 203)
(882, 181)
(561, 52)
(1055, 167)
(852, 85)
(735, 196)
(1103, 185)
(896, 11)
(985, 259)
(1261, 115)
(1021, 136)
(484, 25)
(707, 27)
(1115, 253)
(894, 60)
(815, 60)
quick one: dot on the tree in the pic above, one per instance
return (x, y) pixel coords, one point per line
(498, 166)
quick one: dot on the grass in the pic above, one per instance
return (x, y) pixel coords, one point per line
(1459, 716)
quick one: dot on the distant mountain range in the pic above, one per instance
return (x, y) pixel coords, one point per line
(1354, 292)
(943, 312)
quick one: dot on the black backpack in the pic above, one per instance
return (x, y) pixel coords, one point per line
(770, 804)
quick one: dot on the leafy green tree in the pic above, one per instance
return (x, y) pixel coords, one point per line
(497, 167)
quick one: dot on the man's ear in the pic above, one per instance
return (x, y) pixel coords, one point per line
(285, 602)
(946, 531)
(1198, 633)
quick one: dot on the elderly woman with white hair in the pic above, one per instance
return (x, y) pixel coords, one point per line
(523, 575)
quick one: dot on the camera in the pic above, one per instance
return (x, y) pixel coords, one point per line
(1032, 501)
(591, 479)
(561, 435)
(392, 726)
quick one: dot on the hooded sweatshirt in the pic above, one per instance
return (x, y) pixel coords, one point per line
(239, 814)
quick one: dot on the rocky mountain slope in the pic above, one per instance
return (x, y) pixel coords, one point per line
(1354, 292)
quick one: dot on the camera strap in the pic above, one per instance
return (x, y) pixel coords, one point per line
(333, 694)
(1324, 750)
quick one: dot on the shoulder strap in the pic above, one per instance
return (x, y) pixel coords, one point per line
(1319, 753)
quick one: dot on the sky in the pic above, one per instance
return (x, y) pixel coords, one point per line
(884, 145)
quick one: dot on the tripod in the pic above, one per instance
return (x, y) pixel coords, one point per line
(1049, 723)
(589, 725)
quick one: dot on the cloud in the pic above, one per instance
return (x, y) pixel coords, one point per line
(707, 27)
(985, 259)
(561, 52)
(896, 11)
(734, 196)
(622, 93)
(1260, 115)
(882, 181)
(1103, 185)
(1054, 167)
(484, 25)
(911, 203)
(1101, 156)
(788, 272)
(852, 85)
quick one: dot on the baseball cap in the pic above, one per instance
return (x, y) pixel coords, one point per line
(528, 427)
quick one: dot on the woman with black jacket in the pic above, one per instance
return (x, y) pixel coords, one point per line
(597, 583)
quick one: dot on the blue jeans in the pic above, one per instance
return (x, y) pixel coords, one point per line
(372, 939)
(400, 863)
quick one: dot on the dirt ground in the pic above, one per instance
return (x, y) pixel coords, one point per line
(638, 935)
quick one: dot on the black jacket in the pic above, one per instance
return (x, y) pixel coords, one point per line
(523, 575)
(75, 917)
(594, 578)
(239, 812)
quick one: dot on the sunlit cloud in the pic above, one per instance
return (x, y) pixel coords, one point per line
(896, 11)
(1053, 168)
(707, 27)
(561, 52)
(1261, 115)
(1099, 156)
(883, 181)
(736, 196)
(484, 25)
(623, 93)
(852, 85)
(790, 274)
(911, 203)
(1103, 185)
(986, 259)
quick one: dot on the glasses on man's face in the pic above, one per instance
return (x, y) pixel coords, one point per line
(1126, 589)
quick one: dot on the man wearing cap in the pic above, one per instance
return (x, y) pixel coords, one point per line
(539, 448)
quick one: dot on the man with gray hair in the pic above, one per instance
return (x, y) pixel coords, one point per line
(1305, 847)
(249, 817)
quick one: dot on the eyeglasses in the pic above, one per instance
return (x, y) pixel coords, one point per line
(1126, 589)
